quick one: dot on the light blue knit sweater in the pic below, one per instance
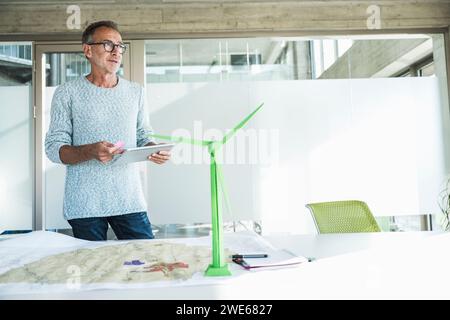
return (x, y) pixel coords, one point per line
(83, 113)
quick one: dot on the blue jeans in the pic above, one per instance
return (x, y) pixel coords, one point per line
(126, 227)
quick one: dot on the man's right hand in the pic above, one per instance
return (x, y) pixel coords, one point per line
(104, 151)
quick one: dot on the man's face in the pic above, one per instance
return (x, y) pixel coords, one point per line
(100, 59)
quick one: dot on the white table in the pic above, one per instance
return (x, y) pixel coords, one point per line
(354, 266)
(329, 245)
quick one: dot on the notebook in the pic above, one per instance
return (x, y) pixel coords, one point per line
(276, 258)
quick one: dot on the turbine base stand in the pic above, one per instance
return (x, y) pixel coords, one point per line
(213, 271)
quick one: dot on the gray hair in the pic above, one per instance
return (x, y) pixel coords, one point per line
(90, 30)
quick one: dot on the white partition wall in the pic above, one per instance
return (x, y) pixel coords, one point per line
(16, 160)
(377, 140)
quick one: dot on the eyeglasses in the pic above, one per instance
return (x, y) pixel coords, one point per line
(109, 46)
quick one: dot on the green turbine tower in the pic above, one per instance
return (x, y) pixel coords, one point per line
(219, 266)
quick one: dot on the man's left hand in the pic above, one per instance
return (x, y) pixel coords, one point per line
(159, 157)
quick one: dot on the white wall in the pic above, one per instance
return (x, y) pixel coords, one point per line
(377, 140)
(16, 183)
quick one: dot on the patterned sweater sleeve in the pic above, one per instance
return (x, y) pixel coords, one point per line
(60, 129)
(143, 128)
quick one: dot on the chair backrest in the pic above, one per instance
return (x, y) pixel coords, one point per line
(343, 217)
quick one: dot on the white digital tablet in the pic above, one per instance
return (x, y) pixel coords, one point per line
(140, 154)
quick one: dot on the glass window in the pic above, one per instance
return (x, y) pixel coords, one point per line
(62, 67)
(329, 53)
(343, 46)
(427, 70)
(318, 58)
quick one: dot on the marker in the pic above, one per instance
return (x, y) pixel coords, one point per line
(249, 256)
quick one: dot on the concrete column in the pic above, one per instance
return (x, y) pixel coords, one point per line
(302, 60)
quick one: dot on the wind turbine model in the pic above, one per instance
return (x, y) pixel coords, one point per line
(219, 266)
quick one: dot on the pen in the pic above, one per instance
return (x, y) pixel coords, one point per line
(249, 256)
(241, 262)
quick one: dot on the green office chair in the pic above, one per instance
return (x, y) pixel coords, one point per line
(343, 217)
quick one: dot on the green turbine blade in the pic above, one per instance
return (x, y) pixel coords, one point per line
(240, 125)
(182, 140)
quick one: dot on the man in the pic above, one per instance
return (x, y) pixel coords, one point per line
(88, 115)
